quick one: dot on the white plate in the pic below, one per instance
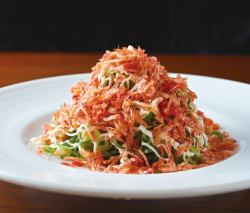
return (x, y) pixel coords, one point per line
(25, 107)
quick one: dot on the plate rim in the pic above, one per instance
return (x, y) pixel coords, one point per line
(37, 80)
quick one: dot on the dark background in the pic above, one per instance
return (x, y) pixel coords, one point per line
(195, 27)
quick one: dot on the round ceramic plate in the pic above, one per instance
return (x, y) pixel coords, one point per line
(25, 107)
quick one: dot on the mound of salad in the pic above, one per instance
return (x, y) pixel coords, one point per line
(132, 117)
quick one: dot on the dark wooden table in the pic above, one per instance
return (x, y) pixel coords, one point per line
(17, 67)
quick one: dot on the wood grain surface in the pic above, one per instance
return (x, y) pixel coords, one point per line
(19, 66)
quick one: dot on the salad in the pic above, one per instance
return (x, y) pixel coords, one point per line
(132, 117)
